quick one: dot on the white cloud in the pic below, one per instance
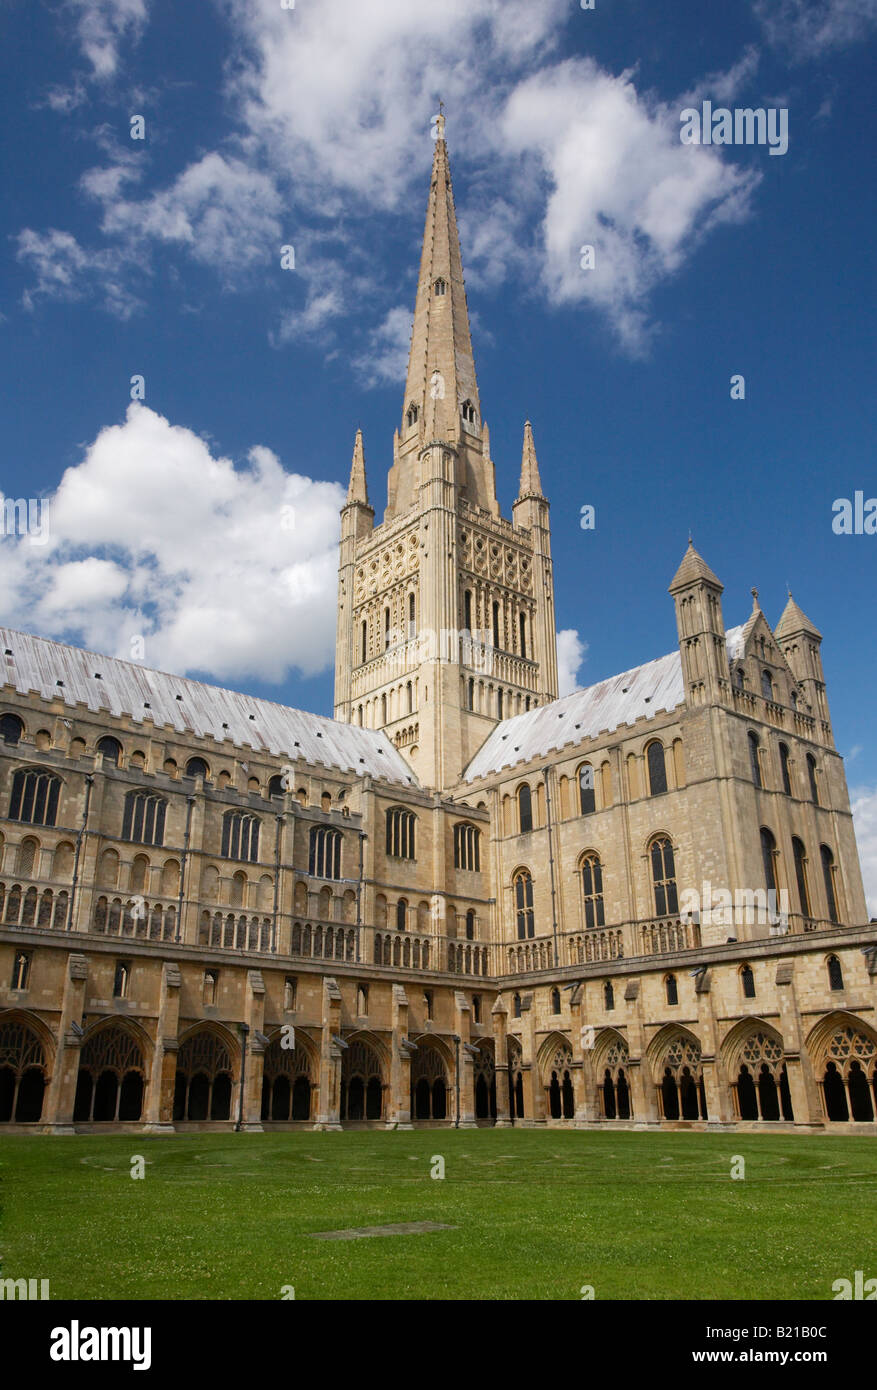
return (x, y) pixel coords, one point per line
(620, 181)
(226, 213)
(65, 270)
(808, 29)
(102, 26)
(571, 651)
(386, 361)
(223, 569)
(333, 104)
(864, 807)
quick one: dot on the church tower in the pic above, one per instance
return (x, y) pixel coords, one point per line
(445, 609)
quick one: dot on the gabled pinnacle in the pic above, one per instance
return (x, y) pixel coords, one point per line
(794, 621)
(692, 569)
(357, 490)
(531, 484)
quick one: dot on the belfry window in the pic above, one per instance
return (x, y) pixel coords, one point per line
(411, 416)
(467, 411)
(440, 287)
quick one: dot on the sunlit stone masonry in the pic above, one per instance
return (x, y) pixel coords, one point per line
(462, 900)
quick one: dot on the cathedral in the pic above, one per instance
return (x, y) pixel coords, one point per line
(462, 901)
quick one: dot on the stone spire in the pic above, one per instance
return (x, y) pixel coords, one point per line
(357, 490)
(531, 485)
(441, 404)
(441, 368)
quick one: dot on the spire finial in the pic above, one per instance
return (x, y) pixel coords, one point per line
(754, 593)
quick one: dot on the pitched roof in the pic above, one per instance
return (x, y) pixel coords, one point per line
(601, 708)
(794, 620)
(693, 567)
(147, 696)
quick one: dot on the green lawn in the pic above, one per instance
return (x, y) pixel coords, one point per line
(537, 1214)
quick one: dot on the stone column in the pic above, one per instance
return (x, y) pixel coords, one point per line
(61, 1092)
(803, 1086)
(251, 1117)
(499, 1017)
(719, 1107)
(645, 1103)
(582, 1043)
(158, 1111)
(329, 1104)
(399, 1109)
(462, 1026)
(534, 1096)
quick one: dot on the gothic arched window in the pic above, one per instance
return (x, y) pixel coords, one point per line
(755, 759)
(811, 777)
(608, 996)
(672, 989)
(240, 836)
(144, 817)
(592, 890)
(785, 769)
(835, 973)
(467, 847)
(587, 794)
(747, 981)
(402, 914)
(800, 856)
(829, 877)
(11, 728)
(767, 685)
(325, 852)
(110, 749)
(525, 809)
(664, 877)
(524, 904)
(35, 793)
(657, 768)
(400, 833)
(769, 855)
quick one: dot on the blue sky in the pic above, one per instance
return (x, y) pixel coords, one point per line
(204, 520)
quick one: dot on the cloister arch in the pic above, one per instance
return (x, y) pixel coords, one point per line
(289, 1078)
(484, 1069)
(555, 1069)
(612, 1075)
(754, 1061)
(27, 1051)
(364, 1072)
(843, 1051)
(431, 1068)
(674, 1057)
(112, 1075)
(208, 1065)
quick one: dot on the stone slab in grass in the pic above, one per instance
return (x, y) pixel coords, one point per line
(403, 1228)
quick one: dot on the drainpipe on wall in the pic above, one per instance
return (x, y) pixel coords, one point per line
(362, 839)
(457, 1078)
(190, 802)
(546, 771)
(89, 783)
(279, 832)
